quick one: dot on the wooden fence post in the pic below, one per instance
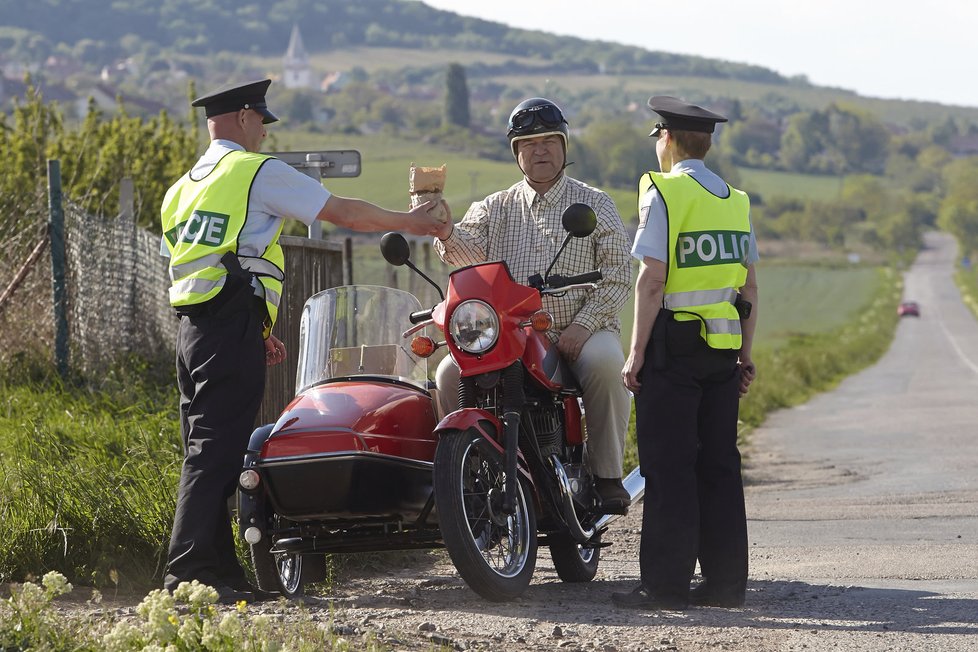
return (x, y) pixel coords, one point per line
(348, 260)
(56, 225)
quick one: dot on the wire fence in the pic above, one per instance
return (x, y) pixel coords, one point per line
(116, 283)
(116, 302)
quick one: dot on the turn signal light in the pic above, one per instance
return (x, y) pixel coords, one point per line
(541, 321)
(249, 479)
(423, 346)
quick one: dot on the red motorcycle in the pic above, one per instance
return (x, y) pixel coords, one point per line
(356, 462)
(510, 467)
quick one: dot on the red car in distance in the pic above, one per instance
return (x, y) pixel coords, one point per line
(909, 309)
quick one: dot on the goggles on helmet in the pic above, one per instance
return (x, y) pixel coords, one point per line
(546, 114)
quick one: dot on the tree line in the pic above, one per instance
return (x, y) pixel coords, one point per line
(894, 185)
(101, 31)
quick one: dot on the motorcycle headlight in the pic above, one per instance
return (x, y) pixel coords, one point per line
(474, 326)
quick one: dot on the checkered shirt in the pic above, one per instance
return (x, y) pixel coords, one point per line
(524, 229)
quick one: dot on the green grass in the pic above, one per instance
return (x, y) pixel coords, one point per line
(967, 282)
(769, 184)
(809, 300)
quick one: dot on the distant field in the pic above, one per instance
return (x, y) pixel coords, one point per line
(771, 184)
(385, 163)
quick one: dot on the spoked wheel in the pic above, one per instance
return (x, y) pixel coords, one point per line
(574, 562)
(494, 552)
(279, 572)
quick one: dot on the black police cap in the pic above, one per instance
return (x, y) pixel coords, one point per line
(235, 98)
(682, 116)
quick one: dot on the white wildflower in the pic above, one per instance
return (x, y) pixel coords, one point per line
(55, 583)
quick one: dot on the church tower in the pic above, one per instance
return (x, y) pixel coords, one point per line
(295, 63)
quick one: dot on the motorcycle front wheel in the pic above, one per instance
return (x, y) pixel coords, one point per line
(494, 552)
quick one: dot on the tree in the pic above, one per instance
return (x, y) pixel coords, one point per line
(456, 96)
(959, 210)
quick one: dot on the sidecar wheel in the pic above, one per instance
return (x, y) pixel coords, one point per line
(277, 573)
(572, 561)
(495, 553)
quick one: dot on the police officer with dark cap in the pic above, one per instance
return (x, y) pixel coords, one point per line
(221, 225)
(688, 366)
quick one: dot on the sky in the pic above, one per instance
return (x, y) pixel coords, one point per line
(895, 49)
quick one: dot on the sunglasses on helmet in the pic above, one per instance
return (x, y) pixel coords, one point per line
(547, 115)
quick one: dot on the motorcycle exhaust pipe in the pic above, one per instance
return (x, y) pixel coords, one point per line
(635, 486)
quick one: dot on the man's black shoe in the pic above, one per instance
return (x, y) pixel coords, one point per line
(257, 595)
(613, 498)
(641, 598)
(704, 595)
(227, 595)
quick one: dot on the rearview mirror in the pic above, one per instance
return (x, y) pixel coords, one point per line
(579, 220)
(395, 248)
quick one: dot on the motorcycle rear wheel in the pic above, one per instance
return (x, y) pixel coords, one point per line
(495, 553)
(572, 561)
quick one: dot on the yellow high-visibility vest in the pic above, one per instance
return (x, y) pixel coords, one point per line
(709, 244)
(202, 220)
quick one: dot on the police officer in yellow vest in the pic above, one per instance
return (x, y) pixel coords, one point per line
(690, 361)
(221, 224)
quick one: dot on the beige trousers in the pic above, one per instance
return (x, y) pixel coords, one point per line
(607, 403)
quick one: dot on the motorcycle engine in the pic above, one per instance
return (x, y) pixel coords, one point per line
(547, 427)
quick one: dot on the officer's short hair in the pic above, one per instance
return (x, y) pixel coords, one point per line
(695, 144)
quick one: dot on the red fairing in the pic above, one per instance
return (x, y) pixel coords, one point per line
(537, 346)
(368, 416)
(513, 302)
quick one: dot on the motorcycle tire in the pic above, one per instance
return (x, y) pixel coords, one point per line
(277, 573)
(572, 561)
(495, 553)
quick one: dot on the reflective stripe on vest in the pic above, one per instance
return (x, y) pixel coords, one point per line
(677, 300)
(709, 240)
(202, 220)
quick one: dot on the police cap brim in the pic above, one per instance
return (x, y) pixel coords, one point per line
(234, 98)
(682, 116)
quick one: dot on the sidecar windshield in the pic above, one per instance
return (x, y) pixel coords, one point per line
(356, 330)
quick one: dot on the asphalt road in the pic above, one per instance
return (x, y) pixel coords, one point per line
(865, 499)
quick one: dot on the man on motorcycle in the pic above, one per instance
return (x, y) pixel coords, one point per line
(522, 226)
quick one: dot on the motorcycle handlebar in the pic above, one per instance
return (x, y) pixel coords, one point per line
(420, 316)
(558, 281)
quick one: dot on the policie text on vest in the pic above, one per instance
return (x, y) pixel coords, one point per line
(702, 248)
(203, 228)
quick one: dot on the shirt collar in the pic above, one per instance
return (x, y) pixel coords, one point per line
(689, 165)
(551, 196)
(227, 144)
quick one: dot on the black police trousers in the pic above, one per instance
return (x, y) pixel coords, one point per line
(221, 375)
(686, 426)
